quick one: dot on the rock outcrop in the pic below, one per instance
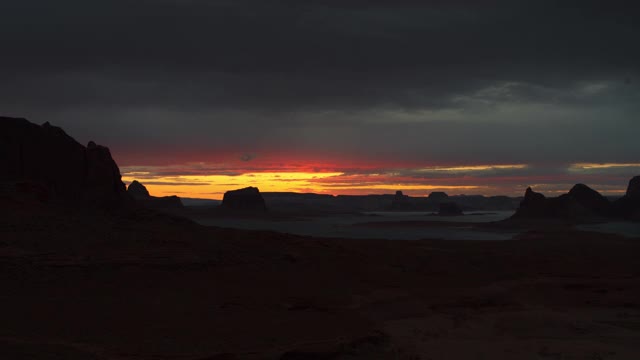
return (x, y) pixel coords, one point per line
(581, 204)
(628, 207)
(244, 200)
(46, 164)
(633, 190)
(449, 209)
(438, 197)
(140, 193)
(401, 202)
(590, 199)
(533, 205)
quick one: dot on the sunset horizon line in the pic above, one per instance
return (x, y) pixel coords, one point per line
(211, 181)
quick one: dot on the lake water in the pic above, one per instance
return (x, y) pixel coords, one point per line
(351, 226)
(627, 229)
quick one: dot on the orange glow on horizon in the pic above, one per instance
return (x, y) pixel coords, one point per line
(474, 168)
(214, 186)
(211, 180)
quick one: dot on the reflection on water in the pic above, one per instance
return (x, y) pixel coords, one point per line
(343, 226)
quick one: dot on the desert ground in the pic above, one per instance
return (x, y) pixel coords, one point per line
(143, 285)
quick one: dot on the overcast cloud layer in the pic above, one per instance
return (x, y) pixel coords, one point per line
(548, 83)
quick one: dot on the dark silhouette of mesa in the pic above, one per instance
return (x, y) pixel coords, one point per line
(92, 270)
(140, 193)
(629, 205)
(244, 200)
(284, 202)
(581, 204)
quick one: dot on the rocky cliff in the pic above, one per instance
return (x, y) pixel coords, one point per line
(581, 204)
(628, 207)
(42, 162)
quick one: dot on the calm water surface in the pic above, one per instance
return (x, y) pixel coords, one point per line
(345, 226)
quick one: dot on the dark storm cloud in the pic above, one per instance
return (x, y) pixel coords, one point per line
(312, 54)
(448, 81)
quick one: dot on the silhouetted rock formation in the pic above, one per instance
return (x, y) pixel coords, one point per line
(287, 202)
(165, 202)
(633, 190)
(449, 209)
(138, 191)
(45, 163)
(590, 199)
(628, 206)
(142, 196)
(438, 197)
(244, 200)
(533, 205)
(581, 204)
(401, 202)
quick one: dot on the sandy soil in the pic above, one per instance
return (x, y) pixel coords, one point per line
(149, 286)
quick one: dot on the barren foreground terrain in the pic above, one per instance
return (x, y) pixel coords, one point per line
(142, 285)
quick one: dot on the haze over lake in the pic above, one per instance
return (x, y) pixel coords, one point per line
(355, 226)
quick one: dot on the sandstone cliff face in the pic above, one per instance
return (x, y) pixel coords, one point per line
(244, 200)
(50, 165)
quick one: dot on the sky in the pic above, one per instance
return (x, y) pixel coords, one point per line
(197, 97)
